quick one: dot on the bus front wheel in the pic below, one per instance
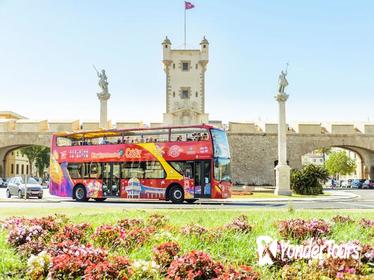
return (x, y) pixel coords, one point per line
(176, 194)
(80, 194)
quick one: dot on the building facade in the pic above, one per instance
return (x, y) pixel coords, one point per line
(185, 84)
(17, 164)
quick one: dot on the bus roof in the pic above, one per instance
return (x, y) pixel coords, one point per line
(88, 134)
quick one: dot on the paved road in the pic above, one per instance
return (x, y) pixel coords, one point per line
(364, 201)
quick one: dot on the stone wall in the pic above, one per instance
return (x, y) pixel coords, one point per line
(253, 155)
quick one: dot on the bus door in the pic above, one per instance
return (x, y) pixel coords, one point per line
(203, 188)
(111, 178)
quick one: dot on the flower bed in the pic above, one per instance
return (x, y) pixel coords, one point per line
(153, 248)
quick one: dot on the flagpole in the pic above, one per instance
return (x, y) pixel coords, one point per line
(185, 27)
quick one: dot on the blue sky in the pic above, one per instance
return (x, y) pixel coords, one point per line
(47, 49)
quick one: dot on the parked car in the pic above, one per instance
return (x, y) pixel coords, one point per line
(5, 183)
(16, 186)
(357, 183)
(345, 184)
(368, 184)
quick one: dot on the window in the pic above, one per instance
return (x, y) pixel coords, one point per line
(95, 170)
(154, 170)
(196, 66)
(22, 169)
(196, 94)
(185, 66)
(222, 169)
(27, 169)
(185, 94)
(63, 141)
(173, 65)
(17, 168)
(189, 134)
(75, 170)
(132, 170)
(183, 167)
(12, 168)
(173, 93)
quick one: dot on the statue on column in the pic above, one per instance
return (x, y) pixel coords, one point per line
(282, 81)
(103, 81)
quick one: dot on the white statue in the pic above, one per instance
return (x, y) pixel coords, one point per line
(282, 81)
(103, 80)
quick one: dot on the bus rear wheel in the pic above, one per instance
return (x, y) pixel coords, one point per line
(176, 194)
(80, 194)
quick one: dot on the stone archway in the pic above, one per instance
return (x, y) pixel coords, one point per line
(14, 140)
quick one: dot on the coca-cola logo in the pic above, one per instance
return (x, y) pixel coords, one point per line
(174, 151)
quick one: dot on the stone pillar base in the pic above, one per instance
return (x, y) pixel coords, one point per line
(282, 180)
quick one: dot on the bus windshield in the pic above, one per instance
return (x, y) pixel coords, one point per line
(222, 169)
(220, 144)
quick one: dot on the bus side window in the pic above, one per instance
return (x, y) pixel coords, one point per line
(95, 170)
(75, 170)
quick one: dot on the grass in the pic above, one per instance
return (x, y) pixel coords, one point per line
(237, 248)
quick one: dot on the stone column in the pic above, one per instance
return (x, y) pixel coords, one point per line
(103, 97)
(282, 169)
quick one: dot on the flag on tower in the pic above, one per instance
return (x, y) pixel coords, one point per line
(188, 5)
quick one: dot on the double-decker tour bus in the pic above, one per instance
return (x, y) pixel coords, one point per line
(179, 164)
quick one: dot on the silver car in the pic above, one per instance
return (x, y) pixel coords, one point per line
(16, 186)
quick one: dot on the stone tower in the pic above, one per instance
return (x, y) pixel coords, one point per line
(185, 84)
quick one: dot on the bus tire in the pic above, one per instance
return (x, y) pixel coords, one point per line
(100, 199)
(80, 193)
(190, 201)
(176, 194)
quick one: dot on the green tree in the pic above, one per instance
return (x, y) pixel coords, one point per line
(308, 179)
(36, 155)
(42, 160)
(339, 163)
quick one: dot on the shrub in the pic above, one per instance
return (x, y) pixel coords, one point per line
(108, 236)
(302, 229)
(194, 229)
(241, 273)
(21, 234)
(136, 237)
(127, 224)
(239, 224)
(301, 270)
(307, 181)
(366, 223)
(342, 219)
(145, 270)
(115, 268)
(38, 265)
(164, 253)
(157, 220)
(195, 265)
(33, 247)
(69, 261)
(77, 233)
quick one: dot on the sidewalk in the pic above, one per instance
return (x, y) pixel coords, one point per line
(331, 196)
